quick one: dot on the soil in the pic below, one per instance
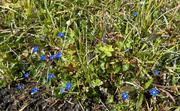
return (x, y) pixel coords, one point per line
(13, 100)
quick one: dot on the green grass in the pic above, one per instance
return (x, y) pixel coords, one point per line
(94, 65)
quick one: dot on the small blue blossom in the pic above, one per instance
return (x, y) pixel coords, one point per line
(135, 14)
(26, 75)
(62, 90)
(154, 92)
(50, 76)
(156, 72)
(58, 55)
(68, 86)
(124, 96)
(60, 34)
(51, 57)
(35, 49)
(43, 58)
(34, 90)
(19, 87)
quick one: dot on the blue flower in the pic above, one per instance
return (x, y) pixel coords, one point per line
(62, 90)
(156, 72)
(135, 14)
(34, 90)
(51, 57)
(43, 58)
(26, 75)
(50, 76)
(19, 87)
(58, 55)
(154, 92)
(60, 34)
(124, 96)
(68, 86)
(35, 49)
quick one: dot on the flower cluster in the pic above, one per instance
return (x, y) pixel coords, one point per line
(68, 86)
(56, 56)
(51, 57)
(43, 57)
(50, 76)
(153, 92)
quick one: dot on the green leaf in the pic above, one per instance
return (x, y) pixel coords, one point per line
(117, 69)
(91, 2)
(178, 109)
(96, 82)
(125, 67)
(102, 65)
(110, 99)
(120, 45)
(147, 84)
(139, 102)
(107, 50)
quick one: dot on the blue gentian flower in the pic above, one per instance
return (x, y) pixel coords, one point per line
(19, 87)
(68, 86)
(62, 90)
(34, 90)
(26, 75)
(60, 34)
(43, 58)
(35, 49)
(58, 55)
(51, 57)
(135, 14)
(50, 76)
(156, 72)
(154, 92)
(124, 96)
